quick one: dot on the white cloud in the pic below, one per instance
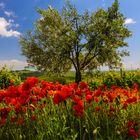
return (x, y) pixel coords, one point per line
(2, 5)
(11, 21)
(9, 13)
(4, 28)
(14, 63)
(129, 21)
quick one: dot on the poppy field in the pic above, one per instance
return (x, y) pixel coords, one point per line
(42, 110)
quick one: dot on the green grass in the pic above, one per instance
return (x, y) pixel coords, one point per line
(67, 78)
(96, 78)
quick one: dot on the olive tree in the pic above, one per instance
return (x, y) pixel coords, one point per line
(65, 39)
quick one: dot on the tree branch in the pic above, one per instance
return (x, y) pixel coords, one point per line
(72, 60)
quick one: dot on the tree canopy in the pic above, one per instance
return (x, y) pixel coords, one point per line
(84, 41)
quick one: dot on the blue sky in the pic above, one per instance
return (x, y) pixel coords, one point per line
(17, 17)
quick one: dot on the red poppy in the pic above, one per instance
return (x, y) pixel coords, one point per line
(88, 98)
(139, 131)
(13, 119)
(112, 109)
(97, 108)
(61, 95)
(12, 91)
(32, 81)
(4, 112)
(135, 86)
(83, 85)
(33, 117)
(12, 81)
(58, 97)
(98, 93)
(79, 92)
(131, 100)
(20, 121)
(135, 135)
(131, 131)
(79, 107)
(125, 105)
(114, 87)
(17, 108)
(2, 121)
(75, 98)
(2, 95)
(130, 124)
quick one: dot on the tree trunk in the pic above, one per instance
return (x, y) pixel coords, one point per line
(78, 77)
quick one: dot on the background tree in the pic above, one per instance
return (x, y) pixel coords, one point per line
(64, 39)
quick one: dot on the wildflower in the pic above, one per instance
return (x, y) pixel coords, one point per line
(17, 108)
(97, 108)
(24, 109)
(97, 93)
(131, 100)
(88, 98)
(61, 95)
(33, 117)
(79, 107)
(114, 87)
(131, 131)
(13, 91)
(2, 95)
(20, 121)
(112, 109)
(13, 119)
(139, 131)
(130, 124)
(51, 92)
(96, 99)
(4, 112)
(125, 105)
(83, 85)
(79, 92)
(32, 81)
(135, 135)
(12, 81)
(58, 97)
(135, 86)
(2, 121)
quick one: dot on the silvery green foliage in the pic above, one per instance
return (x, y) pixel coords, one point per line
(68, 39)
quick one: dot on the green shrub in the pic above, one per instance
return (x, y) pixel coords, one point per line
(94, 84)
(126, 79)
(8, 78)
(61, 80)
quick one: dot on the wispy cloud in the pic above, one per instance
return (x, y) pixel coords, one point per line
(9, 13)
(4, 28)
(2, 5)
(13, 24)
(14, 63)
(129, 21)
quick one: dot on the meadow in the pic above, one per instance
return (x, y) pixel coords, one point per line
(104, 106)
(96, 78)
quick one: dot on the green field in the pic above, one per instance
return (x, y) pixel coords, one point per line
(97, 78)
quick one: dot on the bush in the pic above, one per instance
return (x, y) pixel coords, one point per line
(94, 84)
(126, 79)
(61, 80)
(8, 78)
